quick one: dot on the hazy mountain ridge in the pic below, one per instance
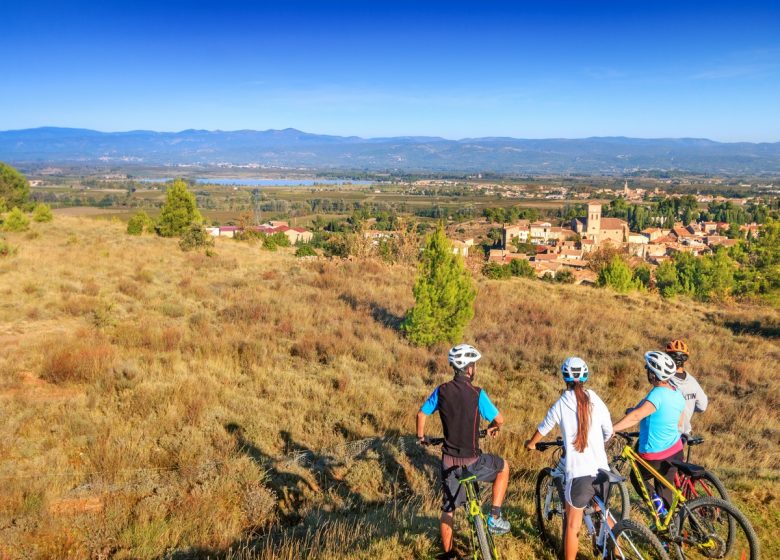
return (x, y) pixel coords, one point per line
(294, 148)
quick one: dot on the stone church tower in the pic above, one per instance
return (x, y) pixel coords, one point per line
(594, 222)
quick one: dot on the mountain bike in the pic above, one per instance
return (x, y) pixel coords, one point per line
(692, 480)
(482, 545)
(704, 527)
(611, 538)
(619, 501)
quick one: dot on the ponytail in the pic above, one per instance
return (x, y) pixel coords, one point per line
(583, 417)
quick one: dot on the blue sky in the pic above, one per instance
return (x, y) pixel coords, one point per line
(542, 69)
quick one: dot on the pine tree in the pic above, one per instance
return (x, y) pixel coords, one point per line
(14, 188)
(179, 212)
(444, 295)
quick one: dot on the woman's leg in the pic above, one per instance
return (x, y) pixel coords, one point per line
(571, 539)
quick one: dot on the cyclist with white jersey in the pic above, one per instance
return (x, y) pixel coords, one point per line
(585, 425)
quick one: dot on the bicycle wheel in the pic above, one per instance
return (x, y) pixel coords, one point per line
(702, 528)
(707, 484)
(633, 541)
(550, 510)
(482, 538)
(619, 501)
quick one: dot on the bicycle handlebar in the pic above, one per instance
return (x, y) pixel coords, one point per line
(689, 440)
(628, 436)
(545, 445)
(440, 440)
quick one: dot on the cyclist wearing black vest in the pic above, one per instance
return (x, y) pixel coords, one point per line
(461, 404)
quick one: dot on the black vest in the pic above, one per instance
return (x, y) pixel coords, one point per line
(459, 411)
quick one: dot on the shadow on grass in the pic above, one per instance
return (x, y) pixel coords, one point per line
(378, 312)
(350, 523)
(758, 328)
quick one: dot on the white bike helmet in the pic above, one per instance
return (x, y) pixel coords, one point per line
(660, 364)
(575, 369)
(462, 355)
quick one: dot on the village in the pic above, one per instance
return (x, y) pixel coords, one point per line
(551, 249)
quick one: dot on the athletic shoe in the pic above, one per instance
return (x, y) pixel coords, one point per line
(498, 525)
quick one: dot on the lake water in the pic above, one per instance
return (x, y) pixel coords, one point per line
(267, 182)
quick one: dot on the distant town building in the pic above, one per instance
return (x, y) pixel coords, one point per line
(600, 230)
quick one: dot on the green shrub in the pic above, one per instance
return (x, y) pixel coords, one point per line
(16, 221)
(496, 271)
(618, 276)
(522, 268)
(305, 251)
(195, 237)
(139, 223)
(42, 213)
(278, 239)
(564, 276)
(6, 249)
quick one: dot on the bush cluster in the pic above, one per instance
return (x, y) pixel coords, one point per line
(516, 267)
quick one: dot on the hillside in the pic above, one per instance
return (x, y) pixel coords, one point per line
(292, 148)
(160, 404)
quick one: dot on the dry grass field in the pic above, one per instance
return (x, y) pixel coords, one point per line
(161, 404)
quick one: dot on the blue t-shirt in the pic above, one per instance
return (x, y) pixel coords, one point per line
(487, 409)
(658, 431)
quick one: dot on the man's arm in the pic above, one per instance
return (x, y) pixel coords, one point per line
(702, 402)
(495, 425)
(421, 418)
(489, 412)
(429, 407)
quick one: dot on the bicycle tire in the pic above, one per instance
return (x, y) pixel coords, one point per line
(482, 538)
(634, 542)
(694, 516)
(710, 480)
(624, 501)
(546, 520)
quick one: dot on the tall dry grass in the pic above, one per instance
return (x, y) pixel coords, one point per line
(159, 404)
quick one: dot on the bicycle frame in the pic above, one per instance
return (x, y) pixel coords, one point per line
(474, 509)
(634, 460)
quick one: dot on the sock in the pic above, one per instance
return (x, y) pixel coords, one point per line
(495, 511)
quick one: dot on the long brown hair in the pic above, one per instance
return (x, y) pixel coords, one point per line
(583, 416)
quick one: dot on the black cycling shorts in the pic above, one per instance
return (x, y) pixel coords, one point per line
(580, 490)
(485, 468)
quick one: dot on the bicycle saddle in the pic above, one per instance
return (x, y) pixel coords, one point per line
(612, 478)
(695, 440)
(689, 468)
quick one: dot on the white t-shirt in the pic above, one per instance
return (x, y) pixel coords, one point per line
(564, 414)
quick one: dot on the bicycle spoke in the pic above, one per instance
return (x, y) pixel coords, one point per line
(712, 528)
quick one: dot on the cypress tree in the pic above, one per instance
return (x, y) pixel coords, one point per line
(444, 295)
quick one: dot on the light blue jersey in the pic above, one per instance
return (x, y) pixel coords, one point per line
(659, 431)
(487, 410)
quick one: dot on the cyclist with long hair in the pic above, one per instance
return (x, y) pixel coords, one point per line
(695, 398)
(585, 425)
(460, 405)
(660, 417)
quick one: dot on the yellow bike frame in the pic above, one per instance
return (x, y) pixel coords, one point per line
(474, 509)
(634, 460)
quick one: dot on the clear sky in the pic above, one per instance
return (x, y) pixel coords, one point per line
(538, 69)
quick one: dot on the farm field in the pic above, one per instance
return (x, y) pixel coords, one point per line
(163, 404)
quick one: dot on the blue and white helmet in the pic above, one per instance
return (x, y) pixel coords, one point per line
(575, 369)
(462, 355)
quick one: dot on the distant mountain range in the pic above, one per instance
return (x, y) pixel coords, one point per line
(290, 148)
